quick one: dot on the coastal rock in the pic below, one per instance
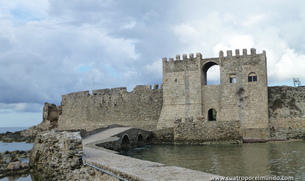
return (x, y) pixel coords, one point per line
(14, 155)
(14, 165)
(25, 165)
(12, 137)
(58, 156)
(55, 154)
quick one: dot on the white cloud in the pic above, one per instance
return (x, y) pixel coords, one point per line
(254, 20)
(291, 65)
(44, 44)
(154, 68)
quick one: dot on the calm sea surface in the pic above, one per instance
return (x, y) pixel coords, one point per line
(263, 159)
(15, 146)
(256, 159)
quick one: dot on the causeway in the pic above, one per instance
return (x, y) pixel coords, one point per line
(132, 168)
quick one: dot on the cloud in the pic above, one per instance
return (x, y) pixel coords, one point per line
(20, 107)
(291, 65)
(154, 69)
(50, 48)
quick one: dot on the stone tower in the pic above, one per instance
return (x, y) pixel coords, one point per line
(241, 96)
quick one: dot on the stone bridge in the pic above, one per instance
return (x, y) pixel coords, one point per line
(131, 168)
(121, 138)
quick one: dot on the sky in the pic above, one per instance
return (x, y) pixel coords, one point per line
(52, 47)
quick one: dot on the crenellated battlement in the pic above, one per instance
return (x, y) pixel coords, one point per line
(237, 53)
(229, 53)
(181, 63)
(184, 57)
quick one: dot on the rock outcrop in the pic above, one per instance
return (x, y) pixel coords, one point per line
(58, 156)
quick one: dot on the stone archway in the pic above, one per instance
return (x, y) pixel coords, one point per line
(212, 114)
(206, 74)
(140, 140)
(125, 144)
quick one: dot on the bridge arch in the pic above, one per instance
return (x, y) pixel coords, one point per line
(140, 141)
(148, 139)
(125, 143)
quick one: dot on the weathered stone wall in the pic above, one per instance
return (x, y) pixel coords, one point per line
(182, 89)
(245, 101)
(140, 108)
(200, 131)
(58, 156)
(287, 111)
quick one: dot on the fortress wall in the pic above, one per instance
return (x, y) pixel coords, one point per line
(139, 108)
(287, 111)
(184, 94)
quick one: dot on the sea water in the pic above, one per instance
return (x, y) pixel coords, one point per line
(249, 159)
(15, 146)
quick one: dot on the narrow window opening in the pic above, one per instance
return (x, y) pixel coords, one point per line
(232, 78)
(252, 77)
(212, 115)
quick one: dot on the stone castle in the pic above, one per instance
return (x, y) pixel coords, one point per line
(241, 107)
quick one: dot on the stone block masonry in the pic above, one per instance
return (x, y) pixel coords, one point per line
(203, 132)
(140, 108)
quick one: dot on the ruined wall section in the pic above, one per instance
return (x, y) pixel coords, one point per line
(287, 111)
(182, 89)
(140, 108)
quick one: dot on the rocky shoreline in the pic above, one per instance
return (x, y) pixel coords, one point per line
(11, 165)
(56, 155)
